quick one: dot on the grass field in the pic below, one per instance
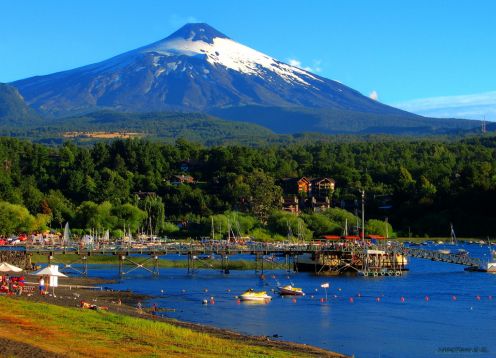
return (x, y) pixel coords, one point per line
(75, 332)
(164, 263)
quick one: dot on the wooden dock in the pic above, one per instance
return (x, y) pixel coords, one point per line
(354, 256)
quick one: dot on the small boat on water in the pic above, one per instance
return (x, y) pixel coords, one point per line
(491, 265)
(444, 251)
(251, 295)
(462, 252)
(289, 290)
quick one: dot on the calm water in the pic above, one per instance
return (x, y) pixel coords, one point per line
(452, 321)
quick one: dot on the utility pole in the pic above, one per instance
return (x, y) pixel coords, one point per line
(363, 214)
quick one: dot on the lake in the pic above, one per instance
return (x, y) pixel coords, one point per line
(434, 309)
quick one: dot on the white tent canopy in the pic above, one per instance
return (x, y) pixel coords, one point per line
(52, 270)
(6, 267)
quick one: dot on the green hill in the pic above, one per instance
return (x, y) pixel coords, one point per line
(163, 126)
(13, 109)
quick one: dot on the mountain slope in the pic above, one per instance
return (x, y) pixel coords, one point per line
(199, 69)
(196, 68)
(292, 120)
(162, 126)
(13, 109)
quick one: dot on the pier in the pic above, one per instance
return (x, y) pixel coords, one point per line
(334, 258)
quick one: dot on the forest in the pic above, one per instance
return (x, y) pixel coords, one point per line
(416, 187)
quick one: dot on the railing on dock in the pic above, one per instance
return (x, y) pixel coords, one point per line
(459, 259)
(348, 253)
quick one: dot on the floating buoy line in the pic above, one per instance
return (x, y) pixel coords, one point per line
(339, 295)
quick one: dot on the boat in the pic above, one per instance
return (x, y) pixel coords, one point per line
(289, 290)
(491, 265)
(251, 295)
(444, 251)
(462, 252)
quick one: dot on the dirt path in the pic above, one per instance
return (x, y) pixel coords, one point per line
(10, 348)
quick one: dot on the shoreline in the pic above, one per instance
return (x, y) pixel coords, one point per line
(70, 294)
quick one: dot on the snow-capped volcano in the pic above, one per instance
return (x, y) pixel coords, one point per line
(219, 50)
(197, 68)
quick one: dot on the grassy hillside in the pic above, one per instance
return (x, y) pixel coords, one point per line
(74, 333)
(165, 127)
(163, 263)
(210, 131)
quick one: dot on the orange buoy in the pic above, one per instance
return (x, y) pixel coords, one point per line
(453, 298)
(478, 298)
(427, 299)
(321, 300)
(378, 299)
(293, 300)
(352, 300)
(238, 301)
(402, 299)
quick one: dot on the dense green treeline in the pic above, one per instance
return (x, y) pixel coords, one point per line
(420, 186)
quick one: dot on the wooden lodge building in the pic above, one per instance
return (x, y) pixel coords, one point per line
(306, 193)
(182, 179)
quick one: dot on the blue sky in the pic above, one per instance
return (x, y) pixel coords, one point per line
(403, 50)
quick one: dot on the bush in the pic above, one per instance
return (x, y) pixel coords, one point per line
(378, 227)
(260, 234)
(284, 223)
(340, 216)
(169, 228)
(321, 224)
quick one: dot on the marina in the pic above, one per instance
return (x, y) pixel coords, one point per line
(438, 304)
(364, 257)
(433, 298)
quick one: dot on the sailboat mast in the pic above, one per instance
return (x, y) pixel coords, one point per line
(363, 214)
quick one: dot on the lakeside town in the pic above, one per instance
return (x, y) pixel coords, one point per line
(247, 179)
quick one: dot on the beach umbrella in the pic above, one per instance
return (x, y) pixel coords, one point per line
(6, 267)
(52, 271)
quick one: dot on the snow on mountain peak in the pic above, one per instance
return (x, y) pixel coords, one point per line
(203, 40)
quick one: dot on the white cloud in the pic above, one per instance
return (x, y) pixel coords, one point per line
(177, 21)
(314, 68)
(374, 95)
(472, 106)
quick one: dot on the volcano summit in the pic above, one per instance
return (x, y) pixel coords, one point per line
(199, 69)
